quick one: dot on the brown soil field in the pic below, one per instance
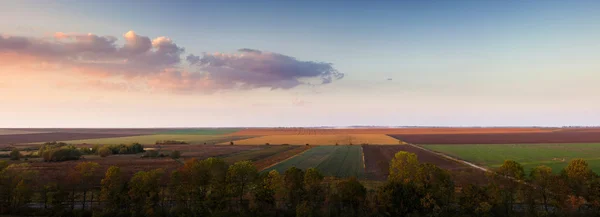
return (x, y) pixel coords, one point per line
(49, 137)
(322, 139)
(205, 151)
(503, 138)
(129, 164)
(441, 130)
(266, 162)
(378, 158)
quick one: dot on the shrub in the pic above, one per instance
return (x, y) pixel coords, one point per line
(175, 154)
(172, 142)
(231, 143)
(267, 143)
(123, 150)
(133, 148)
(151, 154)
(15, 154)
(104, 152)
(58, 151)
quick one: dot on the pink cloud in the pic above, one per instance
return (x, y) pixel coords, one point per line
(156, 63)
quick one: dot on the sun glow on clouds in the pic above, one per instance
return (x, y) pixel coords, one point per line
(156, 64)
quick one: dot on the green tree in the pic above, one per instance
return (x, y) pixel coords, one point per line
(294, 187)
(15, 154)
(175, 154)
(314, 192)
(438, 189)
(86, 172)
(403, 167)
(509, 183)
(352, 195)
(104, 152)
(16, 186)
(240, 176)
(266, 194)
(113, 191)
(144, 192)
(541, 178)
(578, 175)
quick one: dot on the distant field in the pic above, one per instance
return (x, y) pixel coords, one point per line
(420, 130)
(339, 161)
(151, 139)
(555, 156)
(560, 136)
(206, 131)
(16, 132)
(355, 139)
(49, 137)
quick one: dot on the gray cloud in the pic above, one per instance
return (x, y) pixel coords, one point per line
(255, 69)
(192, 59)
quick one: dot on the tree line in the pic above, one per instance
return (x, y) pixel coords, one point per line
(212, 187)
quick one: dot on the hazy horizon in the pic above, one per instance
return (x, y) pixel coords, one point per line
(155, 64)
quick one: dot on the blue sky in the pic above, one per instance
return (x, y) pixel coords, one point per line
(450, 62)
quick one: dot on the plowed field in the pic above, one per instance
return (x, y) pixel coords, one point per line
(355, 139)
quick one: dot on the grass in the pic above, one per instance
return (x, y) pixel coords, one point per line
(338, 161)
(556, 156)
(341, 139)
(151, 139)
(204, 131)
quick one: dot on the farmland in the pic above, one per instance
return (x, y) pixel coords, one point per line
(555, 156)
(378, 157)
(339, 161)
(562, 136)
(403, 131)
(341, 139)
(151, 139)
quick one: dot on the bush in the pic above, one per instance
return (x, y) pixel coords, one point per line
(231, 143)
(175, 154)
(58, 151)
(151, 154)
(104, 152)
(171, 142)
(15, 154)
(133, 148)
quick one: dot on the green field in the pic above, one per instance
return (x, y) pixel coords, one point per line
(205, 131)
(254, 155)
(151, 139)
(556, 156)
(339, 161)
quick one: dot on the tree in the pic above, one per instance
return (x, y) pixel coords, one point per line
(578, 175)
(314, 192)
(403, 167)
(144, 192)
(104, 152)
(175, 154)
(16, 186)
(267, 193)
(15, 154)
(508, 179)
(541, 177)
(293, 183)
(438, 189)
(239, 176)
(113, 190)
(352, 195)
(83, 178)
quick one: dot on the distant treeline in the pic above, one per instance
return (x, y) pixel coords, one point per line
(211, 187)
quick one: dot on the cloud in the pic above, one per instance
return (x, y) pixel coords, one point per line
(157, 63)
(255, 69)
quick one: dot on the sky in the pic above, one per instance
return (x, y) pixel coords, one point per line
(299, 63)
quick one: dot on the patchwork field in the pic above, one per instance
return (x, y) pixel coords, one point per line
(151, 139)
(48, 137)
(339, 161)
(555, 156)
(206, 131)
(420, 130)
(342, 139)
(378, 158)
(561, 136)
